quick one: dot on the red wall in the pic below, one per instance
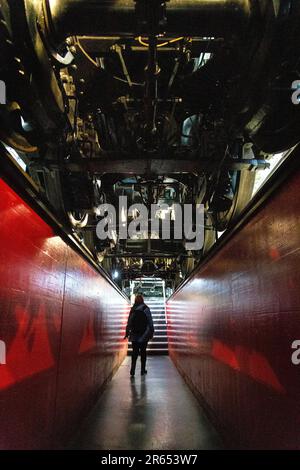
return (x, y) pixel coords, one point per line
(63, 326)
(231, 328)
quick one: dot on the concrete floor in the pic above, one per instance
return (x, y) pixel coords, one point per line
(156, 411)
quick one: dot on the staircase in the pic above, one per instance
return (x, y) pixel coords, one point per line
(159, 344)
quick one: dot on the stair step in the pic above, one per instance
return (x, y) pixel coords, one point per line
(156, 352)
(152, 342)
(155, 347)
(159, 344)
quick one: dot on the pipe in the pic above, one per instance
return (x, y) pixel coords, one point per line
(107, 17)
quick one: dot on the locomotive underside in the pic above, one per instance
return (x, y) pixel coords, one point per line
(176, 102)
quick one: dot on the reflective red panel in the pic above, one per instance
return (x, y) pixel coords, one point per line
(62, 325)
(232, 326)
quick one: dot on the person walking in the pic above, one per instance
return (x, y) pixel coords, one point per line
(139, 330)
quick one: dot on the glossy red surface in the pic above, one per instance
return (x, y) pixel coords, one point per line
(232, 325)
(62, 324)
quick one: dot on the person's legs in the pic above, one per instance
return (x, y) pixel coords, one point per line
(135, 353)
(143, 348)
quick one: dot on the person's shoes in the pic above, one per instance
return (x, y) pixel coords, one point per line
(132, 373)
(143, 372)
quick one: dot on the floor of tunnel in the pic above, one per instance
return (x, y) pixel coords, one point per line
(153, 412)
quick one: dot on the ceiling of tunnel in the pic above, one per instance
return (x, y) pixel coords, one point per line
(158, 103)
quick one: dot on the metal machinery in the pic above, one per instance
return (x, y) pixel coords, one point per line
(177, 101)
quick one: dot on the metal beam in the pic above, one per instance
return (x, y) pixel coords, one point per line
(100, 46)
(147, 256)
(157, 166)
(109, 17)
(134, 166)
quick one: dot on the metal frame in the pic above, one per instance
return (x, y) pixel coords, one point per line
(158, 166)
(84, 17)
(276, 180)
(22, 184)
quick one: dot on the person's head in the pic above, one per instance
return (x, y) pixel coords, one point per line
(139, 299)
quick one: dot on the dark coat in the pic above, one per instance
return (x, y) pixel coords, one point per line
(149, 332)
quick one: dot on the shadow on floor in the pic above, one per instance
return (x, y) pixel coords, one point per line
(157, 411)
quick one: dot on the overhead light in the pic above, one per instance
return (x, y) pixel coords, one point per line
(115, 274)
(26, 126)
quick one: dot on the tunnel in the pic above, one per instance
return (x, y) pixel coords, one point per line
(149, 230)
